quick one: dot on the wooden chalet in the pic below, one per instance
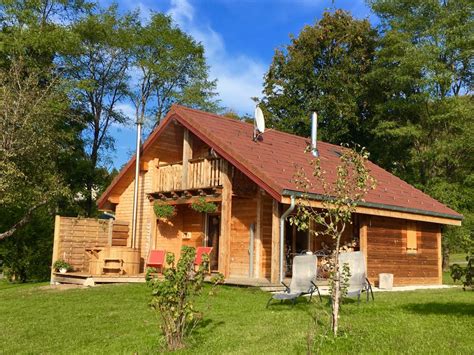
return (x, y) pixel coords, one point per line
(194, 154)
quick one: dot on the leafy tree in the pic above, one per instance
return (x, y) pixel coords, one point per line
(41, 150)
(97, 72)
(30, 114)
(352, 183)
(36, 30)
(423, 76)
(324, 69)
(27, 256)
(169, 67)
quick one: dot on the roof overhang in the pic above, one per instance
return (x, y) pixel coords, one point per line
(376, 209)
(206, 138)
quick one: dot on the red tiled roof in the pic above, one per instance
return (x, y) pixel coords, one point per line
(272, 161)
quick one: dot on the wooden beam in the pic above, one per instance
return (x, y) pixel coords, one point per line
(114, 199)
(226, 220)
(275, 260)
(440, 256)
(110, 232)
(363, 237)
(258, 236)
(391, 214)
(143, 166)
(57, 230)
(187, 154)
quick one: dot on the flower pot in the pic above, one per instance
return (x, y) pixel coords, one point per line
(63, 270)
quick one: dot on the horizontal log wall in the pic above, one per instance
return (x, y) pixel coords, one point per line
(387, 251)
(120, 234)
(169, 236)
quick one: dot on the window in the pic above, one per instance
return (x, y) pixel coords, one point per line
(411, 238)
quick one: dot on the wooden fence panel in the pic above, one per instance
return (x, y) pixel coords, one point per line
(73, 236)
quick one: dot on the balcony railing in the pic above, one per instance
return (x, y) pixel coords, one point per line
(202, 173)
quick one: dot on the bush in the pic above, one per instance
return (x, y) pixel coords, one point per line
(173, 294)
(27, 254)
(464, 274)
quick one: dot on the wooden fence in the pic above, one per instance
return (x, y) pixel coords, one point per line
(73, 236)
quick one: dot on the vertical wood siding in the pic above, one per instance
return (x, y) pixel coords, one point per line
(244, 213)
(266, 256)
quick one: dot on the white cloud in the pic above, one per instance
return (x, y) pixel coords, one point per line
(238, 77)
(128, 110)
(181, 10)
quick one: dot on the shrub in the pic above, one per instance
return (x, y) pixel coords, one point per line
(201, 205)
(464, 274)
(164, 211)
(172, 296)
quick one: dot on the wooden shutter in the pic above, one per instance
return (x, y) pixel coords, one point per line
(411, 238)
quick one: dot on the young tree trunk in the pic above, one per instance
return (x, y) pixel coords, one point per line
(445, 259)
(336, 295)
(336, 286)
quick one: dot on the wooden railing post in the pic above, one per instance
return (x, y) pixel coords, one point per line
(187, 154)
(57, 235)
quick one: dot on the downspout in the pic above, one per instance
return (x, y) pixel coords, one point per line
(251, 246)
(282, 234)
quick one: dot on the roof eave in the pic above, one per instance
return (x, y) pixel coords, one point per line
(319, 197)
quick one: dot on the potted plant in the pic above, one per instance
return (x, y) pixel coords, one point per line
(201, 205)
(164, 211)
(62, 266)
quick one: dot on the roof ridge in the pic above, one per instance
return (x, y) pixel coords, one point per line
(230, 119)
(234, 151)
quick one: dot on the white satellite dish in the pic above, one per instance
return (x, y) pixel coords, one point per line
(259, 123)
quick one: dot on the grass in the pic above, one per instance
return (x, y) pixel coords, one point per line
(459, 258)
(115, 319)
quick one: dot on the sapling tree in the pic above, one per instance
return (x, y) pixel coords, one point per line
(173, 295)
(339, 201)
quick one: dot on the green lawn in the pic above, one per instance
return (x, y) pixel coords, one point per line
(116, 319)
(458, 259)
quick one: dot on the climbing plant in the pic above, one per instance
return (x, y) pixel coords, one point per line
(203, 206)
(164, 211)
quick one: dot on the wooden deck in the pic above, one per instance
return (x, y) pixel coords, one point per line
(87, 279)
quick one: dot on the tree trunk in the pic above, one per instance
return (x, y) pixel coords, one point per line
(445, 258)
(91, 178)
(336, 295)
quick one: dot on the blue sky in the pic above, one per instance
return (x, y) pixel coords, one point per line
(239, 38)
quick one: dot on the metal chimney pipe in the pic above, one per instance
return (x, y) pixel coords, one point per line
(135, 190)
(314, 135)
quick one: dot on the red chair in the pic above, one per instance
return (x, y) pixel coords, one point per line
(156, 259)
(200, 251)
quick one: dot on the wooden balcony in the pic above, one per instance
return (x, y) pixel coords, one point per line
(201, 173)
